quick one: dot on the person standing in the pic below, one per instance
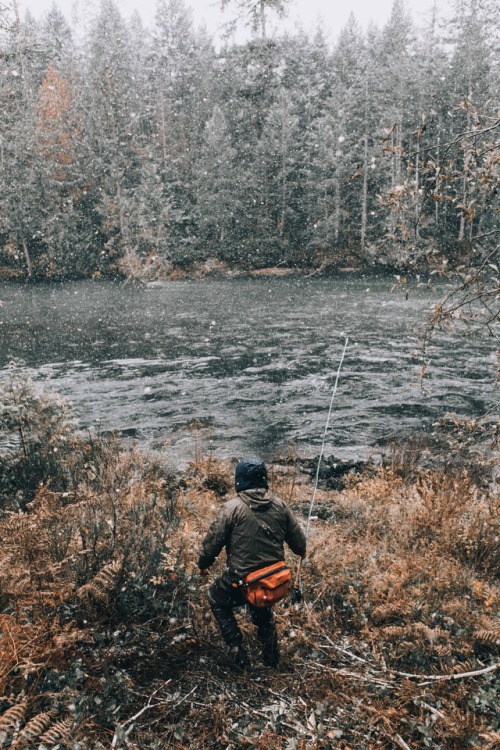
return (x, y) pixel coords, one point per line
(253, 528)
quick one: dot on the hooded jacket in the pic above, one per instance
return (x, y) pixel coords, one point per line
(253, 528)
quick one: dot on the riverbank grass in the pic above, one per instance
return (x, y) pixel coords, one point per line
(107, 640)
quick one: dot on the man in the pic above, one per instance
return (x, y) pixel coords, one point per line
(252, 527)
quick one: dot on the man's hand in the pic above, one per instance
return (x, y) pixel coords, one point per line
(204, 572)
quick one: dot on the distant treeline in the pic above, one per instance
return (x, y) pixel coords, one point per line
(149, 152)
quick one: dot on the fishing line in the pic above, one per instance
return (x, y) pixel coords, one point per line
(327, 425)
(297, 593)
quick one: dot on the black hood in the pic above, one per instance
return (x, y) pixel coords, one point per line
(250, 474)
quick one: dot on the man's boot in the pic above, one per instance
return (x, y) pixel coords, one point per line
(270, 649)
(240, 657)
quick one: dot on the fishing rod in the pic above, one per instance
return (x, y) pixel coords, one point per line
(297, 592)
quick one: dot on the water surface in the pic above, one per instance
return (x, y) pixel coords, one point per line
(245, 364)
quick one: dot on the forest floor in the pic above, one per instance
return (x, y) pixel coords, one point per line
(107, 640)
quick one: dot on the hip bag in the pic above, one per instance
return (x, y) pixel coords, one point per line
(266, 586)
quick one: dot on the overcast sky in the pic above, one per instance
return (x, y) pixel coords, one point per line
(331, 14)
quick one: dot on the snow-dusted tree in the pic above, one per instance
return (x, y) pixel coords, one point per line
(56, 42)
(280, 146)
(113, 125)
(18, 210)
(353, 98)
(255, 12)
(432, 63)
(248, 79)
(58, 180)
(344, 147)
(309, 81)
(371, 219)
(181, 94)
(173, 48)
(475, 31)
(217, 199)
(155, 226)
(7, 16)
(397, 85)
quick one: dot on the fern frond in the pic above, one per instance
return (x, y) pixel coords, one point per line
(462, 724)
(408, 691)
(103, 583)
(33, 729)
(59, 733)
(71, 637)
(488, 637)
(443, 650)
(14, 526)
(431, 634)
(492, 738)
(10, 720)
(390, 612)
(396, 631)
(465, 666)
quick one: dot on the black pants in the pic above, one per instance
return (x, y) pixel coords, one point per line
(224, 597)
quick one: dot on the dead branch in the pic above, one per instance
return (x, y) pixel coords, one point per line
(401, 743)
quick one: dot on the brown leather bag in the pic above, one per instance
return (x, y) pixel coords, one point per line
(266, 586)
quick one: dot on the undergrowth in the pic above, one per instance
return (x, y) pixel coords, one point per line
(107, 641)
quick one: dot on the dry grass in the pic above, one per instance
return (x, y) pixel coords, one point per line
(106, 640)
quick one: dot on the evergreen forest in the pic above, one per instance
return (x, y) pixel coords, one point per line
(145, 153)
(150, 152)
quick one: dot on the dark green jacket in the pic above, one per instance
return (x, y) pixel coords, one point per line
(253, 528)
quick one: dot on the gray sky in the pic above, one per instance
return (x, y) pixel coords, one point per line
(330, 14)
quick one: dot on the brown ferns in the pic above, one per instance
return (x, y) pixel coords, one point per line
(10, 721)
(59, 733)
(102, 585)
(33, 730)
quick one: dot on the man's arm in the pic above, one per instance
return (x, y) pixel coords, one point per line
(295, 537)
(215, 540)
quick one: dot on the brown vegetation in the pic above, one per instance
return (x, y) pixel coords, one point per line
(107, 642)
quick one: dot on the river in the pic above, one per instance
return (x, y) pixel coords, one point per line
(245, 365)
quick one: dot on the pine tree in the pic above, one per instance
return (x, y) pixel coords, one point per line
(217, 200)
(475, 28)
(280, 144)
(58, 133)
(430, 129)
(56, 42)
(18, 209)
(342, 151)
(398, 93)
(181, 97)
(309, 79)
(113, 128)
(248, 77)
(255, 13)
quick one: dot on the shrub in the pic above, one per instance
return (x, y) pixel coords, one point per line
(37, 436)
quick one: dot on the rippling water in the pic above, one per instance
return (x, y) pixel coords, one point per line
(252, 362)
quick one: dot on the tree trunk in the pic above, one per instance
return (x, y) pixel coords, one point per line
(283, 180)
(461, 229)
(364, 195)
(436, 190)
(337, 197)
(364, 189)
(417, 184)
(19, 50)
(262, 18)
(163, 133)
(27, 257)
(124, 233)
